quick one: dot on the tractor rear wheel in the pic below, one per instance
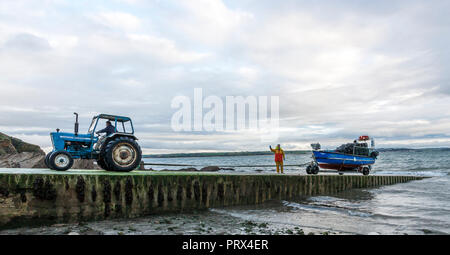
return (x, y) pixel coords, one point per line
(122, 154)
(60, 161)
(101, 163)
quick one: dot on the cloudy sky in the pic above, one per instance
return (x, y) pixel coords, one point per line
(340, 68)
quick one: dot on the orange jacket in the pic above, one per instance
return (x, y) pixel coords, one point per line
(279, 154)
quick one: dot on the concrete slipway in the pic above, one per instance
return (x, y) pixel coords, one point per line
(36, 196)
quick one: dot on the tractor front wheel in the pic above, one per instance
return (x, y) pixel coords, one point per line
(60, 161)
(47, 160)
(122, 154)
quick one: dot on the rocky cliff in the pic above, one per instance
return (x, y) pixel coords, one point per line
(15, 153)
(11, 145)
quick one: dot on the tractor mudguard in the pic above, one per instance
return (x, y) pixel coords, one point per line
(114, 135)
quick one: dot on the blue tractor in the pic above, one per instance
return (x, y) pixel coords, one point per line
(117, 151)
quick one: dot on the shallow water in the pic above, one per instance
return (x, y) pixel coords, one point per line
(416, 207)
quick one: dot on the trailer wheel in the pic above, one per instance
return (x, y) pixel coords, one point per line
(365, 170)
(308, 169)
(122, 154)
(60, 161)
(47, 160)
(315, 169)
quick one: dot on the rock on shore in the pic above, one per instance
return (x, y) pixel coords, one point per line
(210, 169)
(193, 169)
(15, 153)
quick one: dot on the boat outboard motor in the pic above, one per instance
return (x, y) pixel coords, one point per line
(374, 154)
(76, 123)
(315, 146)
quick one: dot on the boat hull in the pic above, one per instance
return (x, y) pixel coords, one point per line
(340, 161)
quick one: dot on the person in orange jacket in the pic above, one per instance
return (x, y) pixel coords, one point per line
(279, 157)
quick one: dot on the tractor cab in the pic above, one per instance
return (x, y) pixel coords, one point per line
(117, 151)
(121, 124)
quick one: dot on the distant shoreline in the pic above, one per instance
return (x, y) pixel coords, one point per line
(257, 153)
(220, 154)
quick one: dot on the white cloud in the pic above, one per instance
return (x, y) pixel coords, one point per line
(209, 21)
(163, 48)
(132, 2)
(63, 42)
(117, 20)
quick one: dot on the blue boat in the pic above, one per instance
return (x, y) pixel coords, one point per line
(357, 156)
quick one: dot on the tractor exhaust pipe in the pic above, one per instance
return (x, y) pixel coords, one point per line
(76, 123)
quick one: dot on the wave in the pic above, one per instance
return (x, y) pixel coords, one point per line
(324, 207)
(416, 168)
(412, 172)
(324, 198)
(344, 210)
(359, 214)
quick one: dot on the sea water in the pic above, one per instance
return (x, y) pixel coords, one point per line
(416, 207)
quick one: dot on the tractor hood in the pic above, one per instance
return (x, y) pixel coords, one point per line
(59, 139)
